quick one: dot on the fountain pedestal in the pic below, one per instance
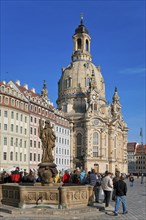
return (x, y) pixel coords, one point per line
(47, 172)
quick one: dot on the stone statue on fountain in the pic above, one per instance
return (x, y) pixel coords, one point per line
(47, 169)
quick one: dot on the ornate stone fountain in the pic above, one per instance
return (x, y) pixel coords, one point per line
(47, 193)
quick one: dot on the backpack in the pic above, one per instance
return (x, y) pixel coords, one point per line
(98, 182)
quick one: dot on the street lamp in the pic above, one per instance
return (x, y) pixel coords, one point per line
(142, 154)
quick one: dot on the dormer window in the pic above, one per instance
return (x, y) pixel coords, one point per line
(3, 88)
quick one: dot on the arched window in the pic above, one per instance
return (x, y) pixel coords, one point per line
(87, 81)
(68, 82)
(95, 107)
(79, 43)
(95, 144)
(95, 138)
(64, 107)
(79, 143)
(79, 139)
(87, 45)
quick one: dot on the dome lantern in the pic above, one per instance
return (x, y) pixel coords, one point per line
(81, 40)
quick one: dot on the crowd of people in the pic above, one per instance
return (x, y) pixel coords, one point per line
(19, 176)
(111, 186)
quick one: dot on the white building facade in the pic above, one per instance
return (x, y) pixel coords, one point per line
(20, 112)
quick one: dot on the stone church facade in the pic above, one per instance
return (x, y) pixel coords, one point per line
(98, 131)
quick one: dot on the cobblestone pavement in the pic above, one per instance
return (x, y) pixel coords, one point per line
(136, 205)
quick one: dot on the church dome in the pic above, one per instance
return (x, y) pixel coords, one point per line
(76, 77)
(81, 29)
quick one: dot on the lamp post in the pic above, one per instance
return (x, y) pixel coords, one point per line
(142, 154)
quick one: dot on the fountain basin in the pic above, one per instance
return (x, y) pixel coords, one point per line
(50, 196)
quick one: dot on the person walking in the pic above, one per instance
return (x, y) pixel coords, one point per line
(121, 189)
(92, 181)
(107, 186)
(142, 177)
(131, 179)
(115, 179)
(97, 188)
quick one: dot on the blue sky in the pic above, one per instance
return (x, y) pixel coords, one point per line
(36, 42)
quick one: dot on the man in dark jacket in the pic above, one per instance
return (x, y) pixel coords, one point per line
(121, 190)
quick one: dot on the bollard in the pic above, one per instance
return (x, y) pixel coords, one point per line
(59, 199)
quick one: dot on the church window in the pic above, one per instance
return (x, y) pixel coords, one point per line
(87, 81)
(95, 144)
(87, 45)
(79, 43)
(79, 139)
(64, 108)
(95, 107)
(68, 82)
(95, 138)
(78, 151)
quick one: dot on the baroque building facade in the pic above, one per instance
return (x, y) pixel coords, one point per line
(98, 131)
(136, 158)
(20, 111)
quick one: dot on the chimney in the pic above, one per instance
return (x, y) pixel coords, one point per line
(18, 82)
(33, 90)
(25, 86)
